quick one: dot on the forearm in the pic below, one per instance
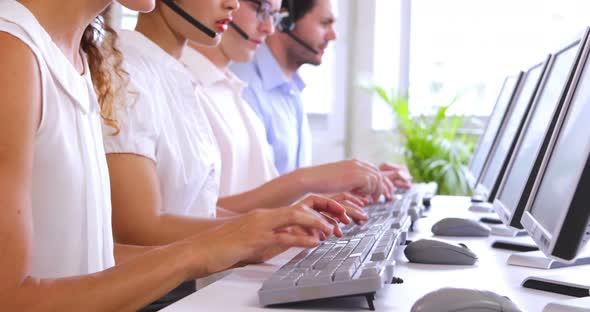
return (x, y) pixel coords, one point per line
(222, 212)
(281, 191)
(124, 253)
(163, 229)
(125, 287)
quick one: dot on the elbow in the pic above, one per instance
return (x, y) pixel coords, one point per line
(26, 296)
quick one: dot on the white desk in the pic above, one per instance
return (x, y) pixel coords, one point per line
(238, 291)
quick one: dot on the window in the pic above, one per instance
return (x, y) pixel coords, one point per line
(465, 48)
(386, 59)
(318, 96)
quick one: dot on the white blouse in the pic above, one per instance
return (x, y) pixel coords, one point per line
(71, 203)
(246, 156)
(162, 120)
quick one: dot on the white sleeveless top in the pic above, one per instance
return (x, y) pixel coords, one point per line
(162, 120)
(71, 205)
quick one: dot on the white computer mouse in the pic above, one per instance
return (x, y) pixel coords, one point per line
(432, 251)
(460, 227)
(464, 300)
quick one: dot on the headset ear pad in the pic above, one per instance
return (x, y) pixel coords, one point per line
(286, 24)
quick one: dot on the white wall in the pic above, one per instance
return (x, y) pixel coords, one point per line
(367, 66)
(329, 130)
(347, 131)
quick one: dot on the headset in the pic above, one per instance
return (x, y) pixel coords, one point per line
(243, 33)
(174, 7)
(287, 25)
(239, 30)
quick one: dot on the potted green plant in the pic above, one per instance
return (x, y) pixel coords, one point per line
(434, 148)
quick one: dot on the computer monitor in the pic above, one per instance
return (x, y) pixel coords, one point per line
(557, 216)
(497, 118)
(521, 171)
(496, 162)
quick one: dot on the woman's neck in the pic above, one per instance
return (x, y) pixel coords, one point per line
(154, 27)
(66, 27)
(214, 54)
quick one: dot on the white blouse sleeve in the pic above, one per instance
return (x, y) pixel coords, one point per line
(137, 119)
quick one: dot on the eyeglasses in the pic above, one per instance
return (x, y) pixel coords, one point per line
(263, 12)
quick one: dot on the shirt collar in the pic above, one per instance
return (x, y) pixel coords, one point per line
(206, 73)
(75, 85)
(271, 73)
(145, 46)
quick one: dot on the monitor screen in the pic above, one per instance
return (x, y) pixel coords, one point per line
(487, 139)
(533, 133)
(566, 162)
(508, 133)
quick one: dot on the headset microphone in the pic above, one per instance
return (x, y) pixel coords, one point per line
(174, 7)
(240, 31)
(287, 25)
(301, 42)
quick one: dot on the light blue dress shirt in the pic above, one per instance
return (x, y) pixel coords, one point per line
(277, 101)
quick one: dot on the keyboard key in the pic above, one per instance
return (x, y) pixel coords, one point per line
(378, 255)
(344, 273)
(369, 272)
(287, 281)
(316, 279)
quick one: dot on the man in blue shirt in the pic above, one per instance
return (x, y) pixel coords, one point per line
(274, 87)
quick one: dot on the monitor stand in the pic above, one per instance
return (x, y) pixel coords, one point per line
(502, 230)
(481, 207)
(477, 199)
(513, 246)
(577, 285)
(538, 260)
(572, 305)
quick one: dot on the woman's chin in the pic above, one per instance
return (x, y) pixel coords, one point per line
(139, 5)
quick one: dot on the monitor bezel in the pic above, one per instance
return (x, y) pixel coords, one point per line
(512, 218)
(472, 177)
(489, 194)
(557, 245)
(476, 186)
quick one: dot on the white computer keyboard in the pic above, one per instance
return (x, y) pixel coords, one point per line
(359, 263)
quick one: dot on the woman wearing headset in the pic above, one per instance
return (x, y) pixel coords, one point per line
(58, 251)
(247, 168)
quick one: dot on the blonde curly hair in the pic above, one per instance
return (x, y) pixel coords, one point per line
(105, 61)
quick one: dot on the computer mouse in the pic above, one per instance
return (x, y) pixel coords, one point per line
(464, 300)
(432, 251)
(461, 227)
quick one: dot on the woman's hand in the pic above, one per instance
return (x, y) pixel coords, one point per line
(263, 233)
(397, 174)
(355, 176)
(353, 205)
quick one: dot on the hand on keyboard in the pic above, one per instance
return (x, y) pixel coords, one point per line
(254, 236)
(353, 176)
(353, 206)
(397, 174)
